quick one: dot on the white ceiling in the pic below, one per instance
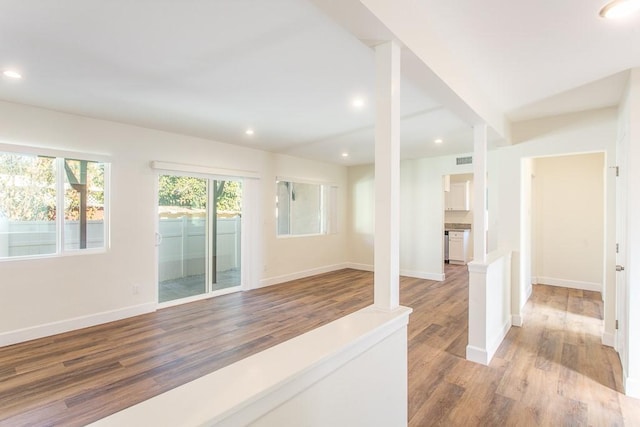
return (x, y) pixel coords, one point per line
(215, 68)
(524, 52)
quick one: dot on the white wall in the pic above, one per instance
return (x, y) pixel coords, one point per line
(53, 294)
(361, 215)
(629, 313)
(421, 215)
(568, 221)
(288, 258)
(590, 131)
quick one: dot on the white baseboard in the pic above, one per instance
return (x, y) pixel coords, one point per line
(529, 292)
(408, 273)
(491, 351)
(632, 387)
(573, 284)
(609, 339)
(477, 355)
(270, 281)
(53, 328)
(484, 356)
(422, 275)
(516, 320)
(356, 266)
(362, 267)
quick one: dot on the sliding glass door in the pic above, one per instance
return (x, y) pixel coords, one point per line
(199, 235)
(226, 233)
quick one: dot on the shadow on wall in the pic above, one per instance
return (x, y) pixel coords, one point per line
(537, 128)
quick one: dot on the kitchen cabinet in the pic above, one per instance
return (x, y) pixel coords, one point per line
(457, 198)
(459, 247)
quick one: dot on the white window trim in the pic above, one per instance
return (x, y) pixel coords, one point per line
(60, 156)
(326, 219)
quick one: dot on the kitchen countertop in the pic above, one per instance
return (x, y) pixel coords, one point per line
(454, 226)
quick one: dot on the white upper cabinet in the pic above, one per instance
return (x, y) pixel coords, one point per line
(457, 198)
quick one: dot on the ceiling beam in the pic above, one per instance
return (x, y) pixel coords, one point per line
(425, 60)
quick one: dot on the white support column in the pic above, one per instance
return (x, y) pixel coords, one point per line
(480, 193)
(387, 177)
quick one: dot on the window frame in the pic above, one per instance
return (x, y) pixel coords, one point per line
(59, 157)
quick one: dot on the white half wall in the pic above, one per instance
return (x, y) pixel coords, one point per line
(350, 372)
(489, 305)
(39, 293)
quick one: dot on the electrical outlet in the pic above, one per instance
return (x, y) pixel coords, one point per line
(135, 288)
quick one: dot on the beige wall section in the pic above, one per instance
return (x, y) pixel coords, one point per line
(64, 292)
(568, 221)
(286, 258)
(361, 200)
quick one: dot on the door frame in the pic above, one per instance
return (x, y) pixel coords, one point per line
(622, 309)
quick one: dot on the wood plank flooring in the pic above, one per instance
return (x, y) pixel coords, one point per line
(553, 371)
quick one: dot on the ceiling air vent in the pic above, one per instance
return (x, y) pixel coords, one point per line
(464, 160)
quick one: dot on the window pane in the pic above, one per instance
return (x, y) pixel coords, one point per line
(283, 203)
(27, 205)
(305, 208)
(182, 206)
(83, 204)
(226, 238)
(301, 208)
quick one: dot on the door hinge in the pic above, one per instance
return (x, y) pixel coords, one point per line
(617, 248)
(616, 324)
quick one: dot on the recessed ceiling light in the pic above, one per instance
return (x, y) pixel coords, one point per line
(438, 141)
(358, 102)
(345, 154)
(12, 74)
(619, 8)
(249, 132)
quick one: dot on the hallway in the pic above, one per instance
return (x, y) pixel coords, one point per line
(552, 371)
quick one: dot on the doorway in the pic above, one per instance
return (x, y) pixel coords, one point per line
(458, 218)
(564, 229)
(568, 221)
(199, 236)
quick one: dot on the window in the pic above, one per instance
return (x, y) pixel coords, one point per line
(51, 205)
(305, 209)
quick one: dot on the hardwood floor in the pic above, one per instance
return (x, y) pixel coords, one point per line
(553, 371)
